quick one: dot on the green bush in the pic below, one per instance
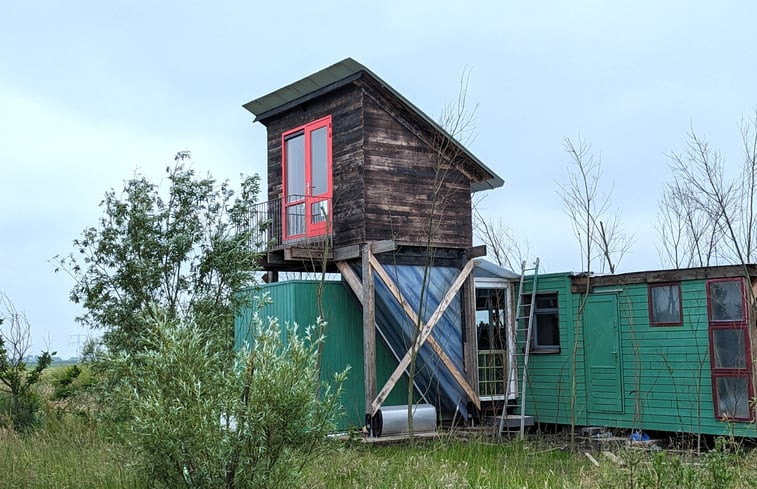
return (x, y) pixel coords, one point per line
(198, 416)
(19, 404)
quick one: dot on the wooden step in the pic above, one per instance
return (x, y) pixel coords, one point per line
(513, 421)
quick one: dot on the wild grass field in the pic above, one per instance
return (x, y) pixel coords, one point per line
(71, 453)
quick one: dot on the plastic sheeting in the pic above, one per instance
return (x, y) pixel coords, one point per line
(432, 377)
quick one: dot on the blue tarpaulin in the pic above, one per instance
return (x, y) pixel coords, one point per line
(432, 377)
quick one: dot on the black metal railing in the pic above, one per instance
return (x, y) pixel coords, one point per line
(279, 222)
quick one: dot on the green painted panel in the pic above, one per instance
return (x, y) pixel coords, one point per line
(603, 354)
(297, 302)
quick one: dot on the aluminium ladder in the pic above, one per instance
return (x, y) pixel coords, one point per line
(523, 326)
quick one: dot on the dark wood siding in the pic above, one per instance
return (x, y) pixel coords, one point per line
(384, 167)
(400, 171)
(345, 107)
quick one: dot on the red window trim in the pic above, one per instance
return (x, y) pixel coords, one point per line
(306, 129)
(743, 319)
(680, 304)
(716, 372)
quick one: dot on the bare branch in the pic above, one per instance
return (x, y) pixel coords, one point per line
(714, 212)
(587, 210)
(501, 242)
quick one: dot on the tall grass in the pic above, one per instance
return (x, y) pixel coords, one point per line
(69, 453)
(66, 454)
(477, 464)
(452, 464)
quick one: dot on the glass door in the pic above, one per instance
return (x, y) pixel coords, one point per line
(307, 180)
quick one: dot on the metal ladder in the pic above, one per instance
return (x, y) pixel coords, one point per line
(524, 314)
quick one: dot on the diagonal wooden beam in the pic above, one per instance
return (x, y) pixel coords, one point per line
(351, 278)
(381, 271)
(354, 282)
(424, 335)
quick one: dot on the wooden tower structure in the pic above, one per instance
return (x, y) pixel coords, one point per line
(363, 183)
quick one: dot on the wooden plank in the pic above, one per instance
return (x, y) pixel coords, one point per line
(472, 395)
(369, 330)
(656, 276)
(381, 271)
(383, 246)
(476, 252)
(470, 338)
(351, 278)
(306, 254)
(424, 334)
(400, 163)
(462, 276)
(591, 459)
(346, 253)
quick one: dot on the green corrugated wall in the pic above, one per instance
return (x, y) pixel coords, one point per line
(297, 301)
(665, 370)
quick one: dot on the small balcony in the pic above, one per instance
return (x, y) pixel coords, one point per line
(296, 221)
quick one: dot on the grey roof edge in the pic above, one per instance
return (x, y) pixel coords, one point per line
(496, 270)
(329, 79)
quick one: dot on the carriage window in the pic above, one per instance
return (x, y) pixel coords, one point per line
(665, 305)
(545, 336)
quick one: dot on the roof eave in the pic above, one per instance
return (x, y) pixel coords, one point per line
(340, 74)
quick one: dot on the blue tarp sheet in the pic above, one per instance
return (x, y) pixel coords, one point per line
(432, 377)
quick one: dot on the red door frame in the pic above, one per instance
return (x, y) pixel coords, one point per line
(742, 325)
(311, 228)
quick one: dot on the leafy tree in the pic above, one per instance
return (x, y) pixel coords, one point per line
(19, 405)
(186, 249)
(202, 419)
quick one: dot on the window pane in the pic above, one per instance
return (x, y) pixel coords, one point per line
(490, 319)
(491, 373)
(726, 301)
(728, 348)
(319, 211)
(546, 301)
(547, 330)
(733, 397)
(295, 219)
(666, 303)
(295, 165)
(319, 161)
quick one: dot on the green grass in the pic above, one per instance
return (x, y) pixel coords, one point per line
(479, 464)
(452, 464)
(65, 455)
(71, 454)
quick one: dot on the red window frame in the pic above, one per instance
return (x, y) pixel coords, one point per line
(651, 309)
(742, 325)
(311, 228)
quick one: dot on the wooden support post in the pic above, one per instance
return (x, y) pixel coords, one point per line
(470, 338)
(369, 331)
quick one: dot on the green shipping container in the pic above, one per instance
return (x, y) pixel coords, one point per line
(296, 301)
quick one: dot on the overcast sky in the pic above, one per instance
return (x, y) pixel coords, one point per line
(91, 92)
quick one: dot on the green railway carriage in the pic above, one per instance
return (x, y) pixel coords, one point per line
(665, 350)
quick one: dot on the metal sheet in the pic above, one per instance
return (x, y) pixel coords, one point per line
(432, 376)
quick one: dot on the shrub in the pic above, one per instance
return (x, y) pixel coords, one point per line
(19, 404)
(199, 416)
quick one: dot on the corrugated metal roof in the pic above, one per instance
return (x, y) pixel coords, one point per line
(337, 75)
